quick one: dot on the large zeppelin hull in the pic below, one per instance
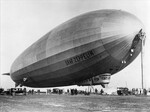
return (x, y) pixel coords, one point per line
(86, 46)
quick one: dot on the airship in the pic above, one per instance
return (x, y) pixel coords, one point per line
(85, 50)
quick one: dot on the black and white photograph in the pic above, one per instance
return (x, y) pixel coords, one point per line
(74, 56)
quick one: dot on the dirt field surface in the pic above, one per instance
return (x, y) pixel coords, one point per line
(79, 103)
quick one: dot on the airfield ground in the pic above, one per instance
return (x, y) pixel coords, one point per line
(78, 103)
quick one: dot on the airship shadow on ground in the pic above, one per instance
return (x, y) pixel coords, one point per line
(85, 50)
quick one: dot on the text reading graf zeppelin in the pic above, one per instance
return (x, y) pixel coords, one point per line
(79, 58)
(87, 47)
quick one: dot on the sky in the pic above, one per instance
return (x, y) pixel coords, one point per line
(22, 22)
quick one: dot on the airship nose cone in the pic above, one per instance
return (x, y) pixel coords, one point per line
(118, 33)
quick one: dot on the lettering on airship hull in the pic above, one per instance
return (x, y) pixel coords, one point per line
(79, 58)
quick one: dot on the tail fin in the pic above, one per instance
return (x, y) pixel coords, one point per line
(6, 74)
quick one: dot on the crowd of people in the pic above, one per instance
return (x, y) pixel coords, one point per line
(119, 91)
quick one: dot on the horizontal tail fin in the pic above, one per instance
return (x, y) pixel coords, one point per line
(6, 74)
